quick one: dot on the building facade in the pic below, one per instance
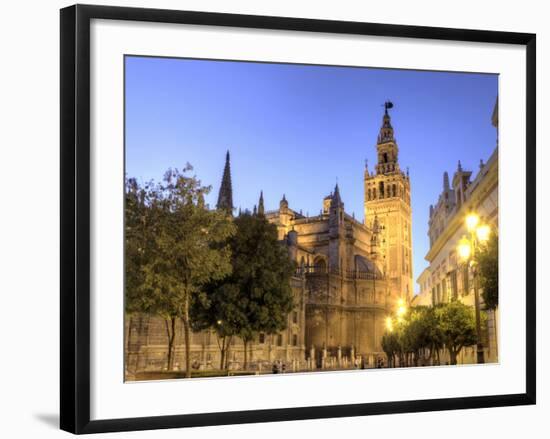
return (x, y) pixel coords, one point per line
(446, 278)
(350, 274)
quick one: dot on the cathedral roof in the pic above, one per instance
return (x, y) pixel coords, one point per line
(362, 264)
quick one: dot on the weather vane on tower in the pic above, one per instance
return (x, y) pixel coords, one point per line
(387, 106)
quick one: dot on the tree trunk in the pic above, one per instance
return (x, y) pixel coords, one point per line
(222, 358)
(452, 355)
(222, 352)
(245, 362)
(227, 350)
(171, 333)
(128, 342)
(187, 336)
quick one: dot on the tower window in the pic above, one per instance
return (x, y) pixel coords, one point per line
(385, 157)
(369, 195)
(394, 190)
(381, 189)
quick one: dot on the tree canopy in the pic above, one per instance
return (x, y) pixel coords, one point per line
(427, 329)
(456, 322)
(256, 296)
(175, 246)
(487, 261)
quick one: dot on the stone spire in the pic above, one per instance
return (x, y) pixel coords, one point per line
(283, 204)
(225, 196)
(261, 210)
(446, 185)
(336, 200)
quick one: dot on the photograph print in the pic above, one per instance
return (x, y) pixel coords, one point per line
(292, 218)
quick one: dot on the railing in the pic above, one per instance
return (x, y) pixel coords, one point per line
(313, 270)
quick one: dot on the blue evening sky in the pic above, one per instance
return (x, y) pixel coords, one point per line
(297, 129)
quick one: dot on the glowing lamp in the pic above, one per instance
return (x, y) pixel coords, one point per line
(464, 249)
(401, 311)
(483, 233)
(472, 220)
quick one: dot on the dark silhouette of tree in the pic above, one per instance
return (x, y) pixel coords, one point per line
(487, 262)
(256, 296)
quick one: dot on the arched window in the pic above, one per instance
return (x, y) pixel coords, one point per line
(320, 265)
(381, 189)
(369, 195)
(394, 190)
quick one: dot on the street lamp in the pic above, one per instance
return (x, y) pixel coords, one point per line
(483, 232)
(401, 308)
(467, 249)
(389, 324)
(472, 220)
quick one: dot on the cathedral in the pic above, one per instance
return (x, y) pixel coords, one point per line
(350, 275)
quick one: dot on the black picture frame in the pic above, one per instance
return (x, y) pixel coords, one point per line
(75, 217)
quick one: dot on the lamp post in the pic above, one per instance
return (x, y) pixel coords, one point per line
(467, 248)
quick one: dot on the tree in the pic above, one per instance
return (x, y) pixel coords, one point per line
(219, 308)
(257, 296)
(487, 262)
(435, 336)
(391, 346)
(187, 250)
(419, 332)
(456, 322)
(138, 250)
(262, 269)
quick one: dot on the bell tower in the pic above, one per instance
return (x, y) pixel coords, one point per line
(388, 208)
